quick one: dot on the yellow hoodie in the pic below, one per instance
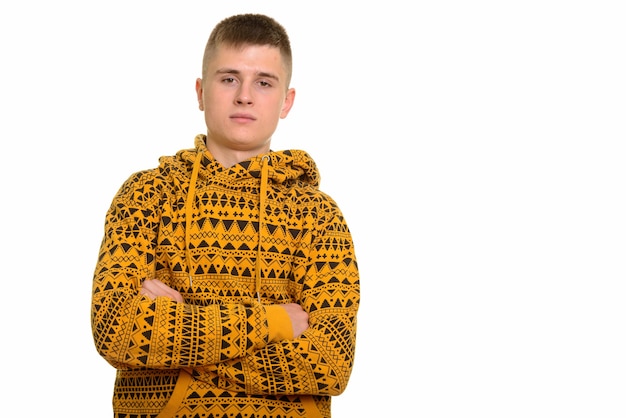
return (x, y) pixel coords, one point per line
(234, 242)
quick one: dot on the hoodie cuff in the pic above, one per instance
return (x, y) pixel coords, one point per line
(278, 323)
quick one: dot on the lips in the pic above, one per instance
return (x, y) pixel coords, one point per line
(242, 117)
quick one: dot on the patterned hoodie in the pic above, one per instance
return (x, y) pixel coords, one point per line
(235, 242)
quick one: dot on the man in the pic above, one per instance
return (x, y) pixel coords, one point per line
(227, 283)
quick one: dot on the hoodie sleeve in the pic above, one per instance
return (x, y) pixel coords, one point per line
(320, 361)
(133, 331)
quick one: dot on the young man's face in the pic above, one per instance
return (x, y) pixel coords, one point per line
(243, 96)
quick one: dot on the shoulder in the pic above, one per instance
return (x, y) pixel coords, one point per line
(141, 186)
(150, 179)
(308, 200)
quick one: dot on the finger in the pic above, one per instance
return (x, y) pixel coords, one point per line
(175, 296)
(165, 290)
(155, 288)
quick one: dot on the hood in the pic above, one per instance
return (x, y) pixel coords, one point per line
(272, 168)
(283, 166)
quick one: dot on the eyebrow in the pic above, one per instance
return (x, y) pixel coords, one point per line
(237, 72)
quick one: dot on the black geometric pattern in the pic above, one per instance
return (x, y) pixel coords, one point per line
(290, 232)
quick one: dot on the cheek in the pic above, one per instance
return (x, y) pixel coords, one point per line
(214, 103)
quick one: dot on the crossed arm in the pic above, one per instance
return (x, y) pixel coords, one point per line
(154, 288)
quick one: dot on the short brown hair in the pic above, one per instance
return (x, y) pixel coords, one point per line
(249, 29)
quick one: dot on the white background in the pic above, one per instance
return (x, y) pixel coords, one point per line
(475, 147)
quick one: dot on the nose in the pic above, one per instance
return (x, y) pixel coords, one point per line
(244, 95)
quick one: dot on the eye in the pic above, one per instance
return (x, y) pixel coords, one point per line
(264, 83)
(228, 80)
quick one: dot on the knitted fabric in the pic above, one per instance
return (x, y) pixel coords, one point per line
(232, 242)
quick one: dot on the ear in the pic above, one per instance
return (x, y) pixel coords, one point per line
(288, 103)
(199, 92)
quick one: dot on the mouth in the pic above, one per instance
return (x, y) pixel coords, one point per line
(242, 117)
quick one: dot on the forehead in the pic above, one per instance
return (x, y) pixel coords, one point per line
(248, 58)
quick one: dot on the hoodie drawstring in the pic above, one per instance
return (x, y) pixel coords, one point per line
(191, 194)
(262, 198)
(189, 209)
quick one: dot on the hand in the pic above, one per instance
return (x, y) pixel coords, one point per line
(155, 288)
(299, 318)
